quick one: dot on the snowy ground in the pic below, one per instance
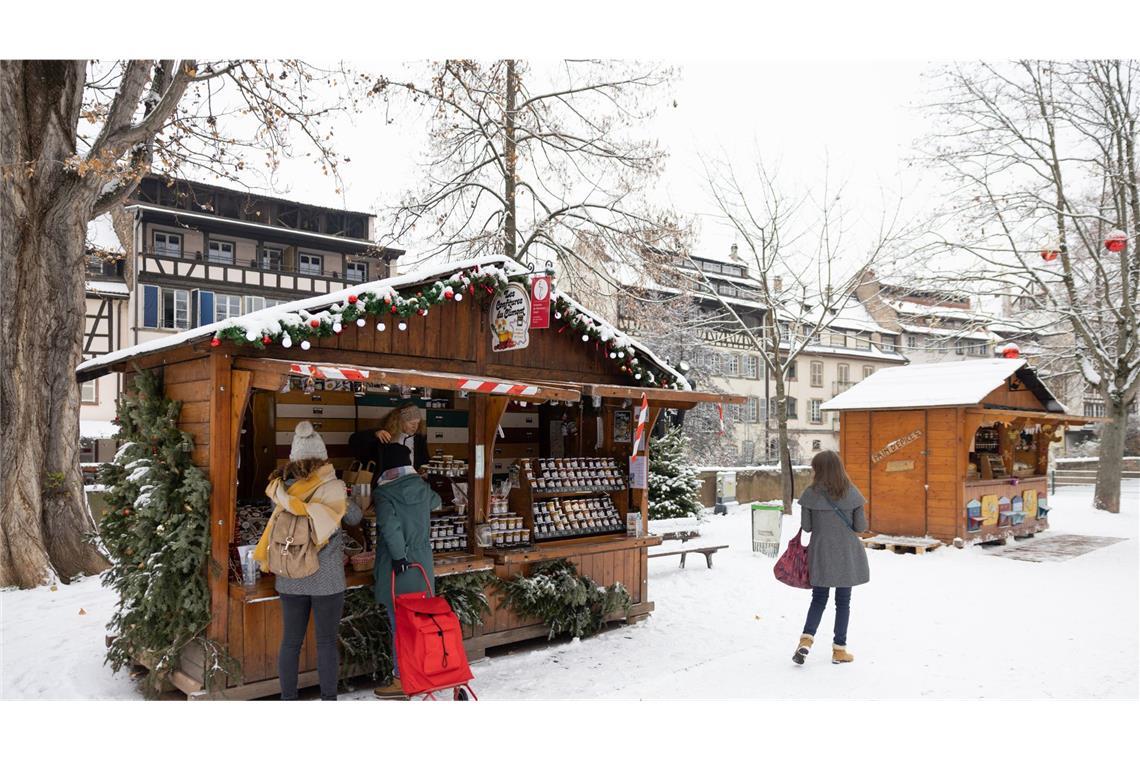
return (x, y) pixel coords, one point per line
(952, 623)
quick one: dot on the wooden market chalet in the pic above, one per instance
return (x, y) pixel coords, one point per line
(496, 394)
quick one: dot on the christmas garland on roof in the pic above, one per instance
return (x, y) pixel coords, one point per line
(483, 283)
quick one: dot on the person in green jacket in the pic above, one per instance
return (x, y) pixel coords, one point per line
(403, 504)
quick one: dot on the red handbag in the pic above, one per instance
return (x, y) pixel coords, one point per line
(792, 566)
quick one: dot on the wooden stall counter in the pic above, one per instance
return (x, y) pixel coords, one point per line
(569, 547)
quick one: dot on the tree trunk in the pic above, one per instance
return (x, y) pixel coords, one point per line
(44, 519)
(786, 477)
(1111, 463)
(510, 158)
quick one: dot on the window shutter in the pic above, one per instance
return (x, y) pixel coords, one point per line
(150, 306)
(204, 306)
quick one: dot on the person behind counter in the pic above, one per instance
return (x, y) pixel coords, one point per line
(403, 504)
(831, 509)
(307, 486)
(404, 425)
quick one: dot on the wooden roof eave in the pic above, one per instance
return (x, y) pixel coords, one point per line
(193, 349)
(278, 368)
(1032, 414)
(661, 397)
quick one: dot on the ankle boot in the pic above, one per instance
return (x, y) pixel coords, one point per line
(803, 648)
(839, 654)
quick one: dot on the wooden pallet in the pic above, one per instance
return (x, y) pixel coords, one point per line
(901, 544)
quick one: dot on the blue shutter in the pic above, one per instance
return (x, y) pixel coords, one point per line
(150, 306)
(205, 306)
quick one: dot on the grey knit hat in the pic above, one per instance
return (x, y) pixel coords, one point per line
(307, 443)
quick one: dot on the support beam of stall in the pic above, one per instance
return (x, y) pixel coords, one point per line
(660, 397)
(437, 380)
(222, 468)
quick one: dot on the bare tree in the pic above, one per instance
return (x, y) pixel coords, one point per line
(805, 276)
(76, 138)
(524, 162)
(1043, 157)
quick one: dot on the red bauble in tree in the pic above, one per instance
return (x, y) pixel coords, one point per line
(471, 289)
(1050, 255)
(1116, 241)
(393, 309)
(314, 323)
(352, 299)
(266, 340)
(215, 342)
(1011, 352)
(449, 295)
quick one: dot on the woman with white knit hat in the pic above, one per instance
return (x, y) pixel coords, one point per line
(307, 486)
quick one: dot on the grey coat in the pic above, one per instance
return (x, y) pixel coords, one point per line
(329, 578)
(836, 556)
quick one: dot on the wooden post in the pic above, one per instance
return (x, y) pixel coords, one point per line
(484, 417)
(222, 471)
(641, 495)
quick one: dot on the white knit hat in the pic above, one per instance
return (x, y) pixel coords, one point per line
(307, 443)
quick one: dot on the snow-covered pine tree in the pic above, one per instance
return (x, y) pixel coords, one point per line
(672, 482)
(157, 535)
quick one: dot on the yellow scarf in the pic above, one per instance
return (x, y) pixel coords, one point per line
(321, 497)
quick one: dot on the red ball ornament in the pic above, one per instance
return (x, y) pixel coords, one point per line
(266, 340)
(1116, 241)
(387, 299)
(1011, 352)
(126, 513)
(471, 289)
(215, 342)
(423, 312)
(393, 309)
(314, 323)
(1050, 255)
(449, 295)
(352, 299)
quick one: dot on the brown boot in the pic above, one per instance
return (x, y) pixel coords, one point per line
(394, 690)
(806, 640)
(840, 654)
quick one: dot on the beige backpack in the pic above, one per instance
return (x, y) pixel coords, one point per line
(292, 551)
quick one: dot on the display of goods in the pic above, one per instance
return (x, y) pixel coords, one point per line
(252, 516)
(574, 475)
(564, 518)
(448, 534)
(447, 466)
(363, 561)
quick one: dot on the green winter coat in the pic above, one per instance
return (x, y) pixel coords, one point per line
(403, 522)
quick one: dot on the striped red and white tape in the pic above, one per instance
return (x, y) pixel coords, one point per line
(642, 416)
(328, 373)
(490, 386)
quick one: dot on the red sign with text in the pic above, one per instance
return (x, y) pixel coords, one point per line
(540, 302)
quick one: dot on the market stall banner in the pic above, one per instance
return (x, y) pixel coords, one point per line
(510, 319)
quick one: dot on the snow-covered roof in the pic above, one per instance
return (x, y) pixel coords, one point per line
(94, 429)
(107, 288)
(918, 386)
(949, 332)
(101, 235)
(268, 321)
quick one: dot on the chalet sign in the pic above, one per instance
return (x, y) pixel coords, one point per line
(896, 445)
(510, 319)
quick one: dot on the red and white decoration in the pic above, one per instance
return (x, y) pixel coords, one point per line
(328, 373)
(639, 436)
(540, 290)
(1116, 241)
(1009, 351)
(489, 386)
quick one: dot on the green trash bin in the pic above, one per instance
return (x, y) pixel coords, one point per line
(767, 522)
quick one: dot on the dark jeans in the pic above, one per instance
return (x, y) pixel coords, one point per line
(392, 629)
(295, 621)
(842, 612)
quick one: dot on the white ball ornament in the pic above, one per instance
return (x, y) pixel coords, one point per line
(306, 345)
(360, 322)
(613, 355)
(337, 327)
(381, 327)
(403, 326)
(458, 296)
(585, 338)
(287, 342)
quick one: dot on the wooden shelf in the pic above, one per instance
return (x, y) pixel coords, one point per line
(566, 547)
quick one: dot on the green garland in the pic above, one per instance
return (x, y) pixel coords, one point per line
(566, 601)
(157, 535)
(365, 637)
(482, 283)
(467, 595)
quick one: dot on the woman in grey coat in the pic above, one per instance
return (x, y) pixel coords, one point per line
(831, 509)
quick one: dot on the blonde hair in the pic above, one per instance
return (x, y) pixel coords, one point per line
(298, 470)
(392, 423)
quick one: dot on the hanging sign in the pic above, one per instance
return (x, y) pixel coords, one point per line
(510, 319)
(639, 472)
(540, 301)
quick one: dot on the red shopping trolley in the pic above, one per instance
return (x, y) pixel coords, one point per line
(429, 644)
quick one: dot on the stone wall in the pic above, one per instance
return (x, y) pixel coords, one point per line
(753, 484)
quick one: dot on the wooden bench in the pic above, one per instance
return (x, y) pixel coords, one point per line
(708, 551)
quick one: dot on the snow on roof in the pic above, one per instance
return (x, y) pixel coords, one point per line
(269, 320)
(962, 383)
(950, 332)
(93, 429)
(107, 287)
(101, 235)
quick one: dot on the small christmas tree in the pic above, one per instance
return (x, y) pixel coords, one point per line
(672, 482)
(157, 535)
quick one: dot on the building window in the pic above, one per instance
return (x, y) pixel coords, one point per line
(310, 263)
(221, 252)
(752, 366)
(732, 365)
(168, 244)
(817, 374)
(752, 409)
(356, 271)
(714, 364)
(792, 413)
(271, 258)
(868, 370)
(837, 339)
(792, 371)
(912, 341)
(253, 303)
(1094, 408)
(226, 306)
(785, 332)
(89, 392)
(843, 372)
(815, 412)
(816, 338)
(726, 290)
(175, 312)
(815, 444)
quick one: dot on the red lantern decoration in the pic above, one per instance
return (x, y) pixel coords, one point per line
(352, 299)
(1050, 255)
(215, 342)
(1116, 241)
